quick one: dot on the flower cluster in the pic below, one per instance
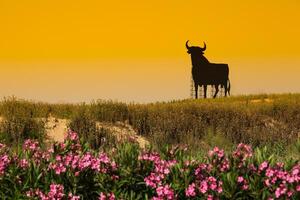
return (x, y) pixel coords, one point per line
(242, 153)
(109, 196)
(219, 159)
(36, 153)
(71, 143)
(80, 172)
(31, 145)
(23, 163)
(204, 183)
(242, 183)
(78, 163)
(4, 162)
(56, 192)
(280, 182)
(164, 192)
(160, 171)
(4, 158)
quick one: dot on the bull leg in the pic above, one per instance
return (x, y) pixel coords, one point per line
(205, 88)
(226, 89)
(217, 90)
(196, 91)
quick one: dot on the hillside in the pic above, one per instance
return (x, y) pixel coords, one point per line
(169, 150)
(253, 119)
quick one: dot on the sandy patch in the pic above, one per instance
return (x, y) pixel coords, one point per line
(122, 131)
(267, 100)
(56, 129)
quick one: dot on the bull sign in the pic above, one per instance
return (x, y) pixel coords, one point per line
(205, 73)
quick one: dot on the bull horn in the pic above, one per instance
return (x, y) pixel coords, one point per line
(187, 45)
(203, 49)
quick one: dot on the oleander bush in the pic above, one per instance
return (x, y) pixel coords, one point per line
(73, 170)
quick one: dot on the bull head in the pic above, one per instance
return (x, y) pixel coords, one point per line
(191, 49)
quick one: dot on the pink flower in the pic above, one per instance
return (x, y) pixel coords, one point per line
(270, 172)
(212, 182)
(267, 182)
(289, 193)
(62, 145)
(4, 162)
(23, 163)
(245, 187)
(110, 196)
(243, 183)
(160, 191)
(277, 193)
(31, 145)
(240, 179)
(73, 136)
(114, 165)
(165, 192)
(102, 196)
(153, 180)
(161, 169)
(56, 193)
(243, 151)
(281, 190)
(216, 151)
(220, 189)
(210, 197)
(103, 158)
(218, 159)
(59, 168)
(73, 197)
(190, 191)
(263, 166)
(203, 187)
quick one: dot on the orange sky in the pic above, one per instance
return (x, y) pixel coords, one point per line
(134, 50)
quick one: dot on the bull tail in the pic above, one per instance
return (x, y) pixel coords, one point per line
(228, 87)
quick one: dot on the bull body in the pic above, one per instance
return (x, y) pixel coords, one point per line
(206, 73)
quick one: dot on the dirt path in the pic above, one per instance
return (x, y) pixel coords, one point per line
(122, 131)
(56, 128)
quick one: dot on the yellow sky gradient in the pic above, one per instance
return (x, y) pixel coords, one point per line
(134, 50)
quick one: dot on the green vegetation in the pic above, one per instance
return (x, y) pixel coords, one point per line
(71, 170)
(259, 120)
(182, 132)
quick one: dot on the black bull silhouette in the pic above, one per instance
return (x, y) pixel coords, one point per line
(206, 73)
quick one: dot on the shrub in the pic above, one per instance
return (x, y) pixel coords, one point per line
(71, 170)
(86, 126)
(20, 122)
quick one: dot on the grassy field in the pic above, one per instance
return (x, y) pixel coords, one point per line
(180, 134)
(259, 120)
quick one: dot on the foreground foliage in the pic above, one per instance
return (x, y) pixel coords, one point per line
(72, 170)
